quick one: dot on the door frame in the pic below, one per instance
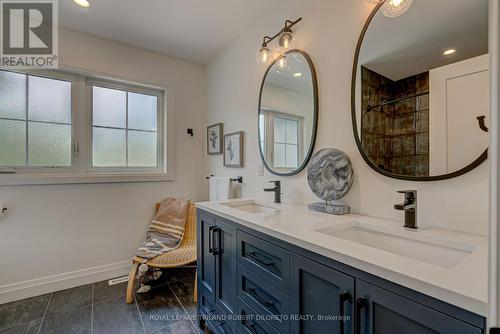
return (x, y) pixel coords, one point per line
(494, 235)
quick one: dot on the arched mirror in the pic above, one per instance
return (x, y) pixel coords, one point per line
(288, 113)
(420, 90)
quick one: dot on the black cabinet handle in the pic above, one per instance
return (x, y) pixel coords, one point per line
(344, 297)
(210, 239)
(218, 322)
(251, 326)
(251, 292)
(216, 250)
(361, 303)
(260, 259)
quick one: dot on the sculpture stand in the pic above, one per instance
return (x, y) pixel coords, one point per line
(330, 208)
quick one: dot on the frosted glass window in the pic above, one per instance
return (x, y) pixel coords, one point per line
(292, 128)
(142, 149)
(286, 146)
(109, 107)
(12, 143)
(12, 95)
(291, 156)
(49, 144)
(49, 100)
(279, 155)
(279, 130)
(125, 128)
(110, 147)
(142, 111)
(35, 121)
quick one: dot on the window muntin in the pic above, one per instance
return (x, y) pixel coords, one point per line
(35, 121)
(124, 128)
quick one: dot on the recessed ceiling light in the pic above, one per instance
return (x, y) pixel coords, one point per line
(449, 52)
(298, 74)
(82, 3)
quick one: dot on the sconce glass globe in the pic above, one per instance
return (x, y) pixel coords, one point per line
(264, 55)
(282, 64)
(395, 8)
(285, 41)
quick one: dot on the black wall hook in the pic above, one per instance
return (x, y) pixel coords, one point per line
(482, 125)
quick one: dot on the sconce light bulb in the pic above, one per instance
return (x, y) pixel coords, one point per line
(82, 3)
(263, 55)
(282, 63)
(395, 8)
(396, 3)
(285, 40)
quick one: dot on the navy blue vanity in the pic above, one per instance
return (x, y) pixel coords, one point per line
(250, 282)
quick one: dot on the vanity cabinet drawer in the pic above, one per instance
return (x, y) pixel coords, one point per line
(215, 319)
(269, 261)
(250, 323)
(264, 298)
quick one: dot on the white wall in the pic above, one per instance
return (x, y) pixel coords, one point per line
(329, 33)
(86, 232)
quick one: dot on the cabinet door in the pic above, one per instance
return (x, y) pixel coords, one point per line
(320, 298)
(225, 266)
(382, 312)
(206, 258)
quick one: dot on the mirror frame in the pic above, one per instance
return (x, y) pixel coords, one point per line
(314, 131)
(479, 160)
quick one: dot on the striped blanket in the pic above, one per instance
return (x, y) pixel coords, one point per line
(166, 229)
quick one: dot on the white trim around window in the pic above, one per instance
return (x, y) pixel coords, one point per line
(81, 170)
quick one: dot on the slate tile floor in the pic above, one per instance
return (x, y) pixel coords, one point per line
(101, 309)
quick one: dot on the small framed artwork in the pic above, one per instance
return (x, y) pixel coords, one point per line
(214, 139)
(233, 149)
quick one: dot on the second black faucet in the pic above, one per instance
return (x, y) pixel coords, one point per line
(277, 191)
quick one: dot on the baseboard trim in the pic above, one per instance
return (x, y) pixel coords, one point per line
(48, 284)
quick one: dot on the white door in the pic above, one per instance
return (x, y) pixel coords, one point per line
(459, 94)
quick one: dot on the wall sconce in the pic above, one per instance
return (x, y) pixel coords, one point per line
(393, 8)
(285, 40)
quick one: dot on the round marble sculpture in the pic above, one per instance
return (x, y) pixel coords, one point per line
(330, 176)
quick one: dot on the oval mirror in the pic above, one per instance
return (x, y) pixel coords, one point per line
(288, 113)
(420, 90)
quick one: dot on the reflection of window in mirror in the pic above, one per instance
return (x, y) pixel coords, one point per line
(281, 137)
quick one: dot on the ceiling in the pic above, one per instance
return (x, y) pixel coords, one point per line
(286, 79)
(414, 42)
(194, 30)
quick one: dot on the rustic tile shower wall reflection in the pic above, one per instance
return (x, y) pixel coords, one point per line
(395, 122)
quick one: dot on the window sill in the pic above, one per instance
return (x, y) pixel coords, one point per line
(40, 179)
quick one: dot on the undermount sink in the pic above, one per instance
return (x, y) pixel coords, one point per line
(438, 251)
(250, 206)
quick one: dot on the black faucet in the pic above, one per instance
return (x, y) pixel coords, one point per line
(277, 191)
(410, 208)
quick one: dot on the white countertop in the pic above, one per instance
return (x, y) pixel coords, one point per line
(465, 285)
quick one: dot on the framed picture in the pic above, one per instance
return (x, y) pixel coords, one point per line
(233, 149)
(214, 139)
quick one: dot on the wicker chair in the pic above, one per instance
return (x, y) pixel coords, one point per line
(182, 256)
